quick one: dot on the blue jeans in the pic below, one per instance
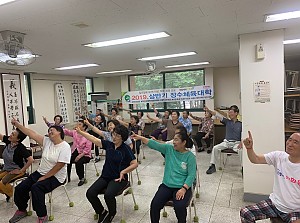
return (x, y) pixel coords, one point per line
(165, 194)
(38, 191)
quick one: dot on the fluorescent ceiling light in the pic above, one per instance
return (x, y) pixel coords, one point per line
(291, 41)
(282, 16)
(115, 71)
(187, 65)
(77, 66)
(168, 56)
(128, 40)
(2, 2)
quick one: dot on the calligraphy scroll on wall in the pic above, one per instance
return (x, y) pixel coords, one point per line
(61, 103)
(12, 100)
(79, 100)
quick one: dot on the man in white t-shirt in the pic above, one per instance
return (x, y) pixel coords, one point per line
(284, 202)
(52, 172)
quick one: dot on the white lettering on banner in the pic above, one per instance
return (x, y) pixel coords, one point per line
(169, 94)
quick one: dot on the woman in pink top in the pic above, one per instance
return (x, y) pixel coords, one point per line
(81, 151)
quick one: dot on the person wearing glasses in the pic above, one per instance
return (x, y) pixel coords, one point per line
(119, 161)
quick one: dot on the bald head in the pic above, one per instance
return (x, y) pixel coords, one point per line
(293, 145)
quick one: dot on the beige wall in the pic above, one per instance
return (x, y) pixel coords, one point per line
(227, 86)
(259, 118)
(43, 96)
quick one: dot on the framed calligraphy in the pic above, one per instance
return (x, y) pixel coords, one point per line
(12, 100)
(61, 102)
(79, 100)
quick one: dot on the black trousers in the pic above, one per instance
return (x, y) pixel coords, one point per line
(112, 189)
(137, 146)
(165, 194)
(198, 138)
(38, 191)
(79, 165)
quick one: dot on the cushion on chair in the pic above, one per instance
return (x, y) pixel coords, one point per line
(229, 151)
(276, 220)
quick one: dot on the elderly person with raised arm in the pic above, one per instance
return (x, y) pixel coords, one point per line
(171, 124)
(161, 129)
(186, 122)
(284, 201)
(232, 137)
(119, 161)
(17, 159)
(205, 130)
(107, 135)
(179, 176)
(58, 119)
(51, 173)
(81, 151)
(114, 114)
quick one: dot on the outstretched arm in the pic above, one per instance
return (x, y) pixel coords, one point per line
(93, 139)
(253, 157)
(195, 117)
(124, 123)
(154, 119)
(46, 121)
(30, 133)
(154, 109)
(94, 129)
(217, 114)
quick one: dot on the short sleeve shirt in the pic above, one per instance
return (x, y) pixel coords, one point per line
(19, 157)
(117, 159)
(52, 154)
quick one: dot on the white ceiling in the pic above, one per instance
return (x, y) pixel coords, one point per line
(209, 27)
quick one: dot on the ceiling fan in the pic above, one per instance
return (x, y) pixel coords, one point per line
(151, 70)
(12, 50)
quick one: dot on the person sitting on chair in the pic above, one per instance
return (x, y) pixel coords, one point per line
(51, 173)
(186, 122)
(141, 122)
(57, 121)
(284, 202)
(134, 127)
(179, 176)
(232, 138)
(205, 131)
(170, 123)
(119, 161)
(81, 151)
(189, 145)
(14, 155)
(162, 129)
(114, 115)
(99, 123)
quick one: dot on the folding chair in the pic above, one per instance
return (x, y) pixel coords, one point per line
(126, 190)
(85, 167)
(226, 152)
(140, 149)
(71, 204)
(192, 203)
(197, 172)
(136, 170)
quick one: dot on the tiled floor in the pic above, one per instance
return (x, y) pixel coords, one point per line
(221, 194)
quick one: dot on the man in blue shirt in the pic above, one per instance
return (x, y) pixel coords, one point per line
(186, 122)
(232, 137)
